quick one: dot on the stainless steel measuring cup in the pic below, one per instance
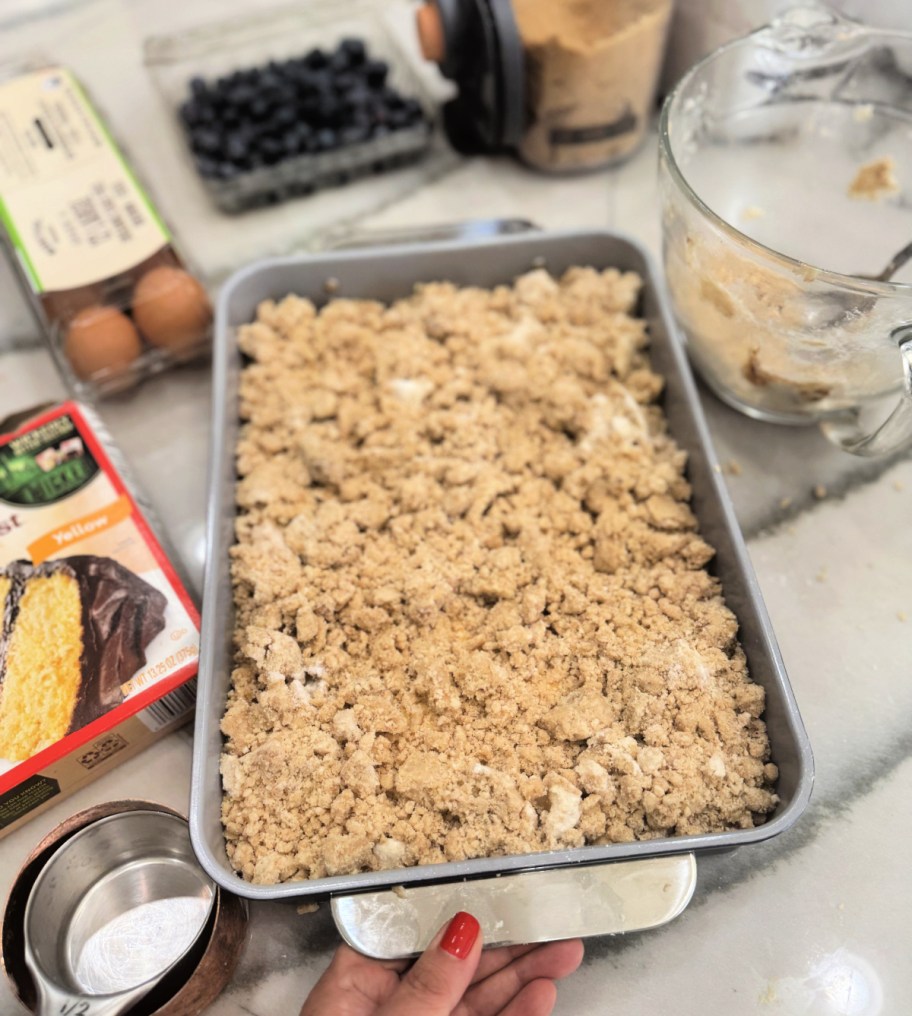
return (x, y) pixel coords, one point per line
(114, 911)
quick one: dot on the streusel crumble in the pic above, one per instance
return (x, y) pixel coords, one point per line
(473, 615)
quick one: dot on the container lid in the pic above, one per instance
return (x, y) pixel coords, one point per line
(477, 45)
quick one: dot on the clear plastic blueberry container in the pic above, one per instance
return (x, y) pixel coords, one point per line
(195, 60)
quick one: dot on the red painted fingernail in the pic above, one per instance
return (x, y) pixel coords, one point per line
(460, 935)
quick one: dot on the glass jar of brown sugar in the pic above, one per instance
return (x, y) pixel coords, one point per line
(567, 84)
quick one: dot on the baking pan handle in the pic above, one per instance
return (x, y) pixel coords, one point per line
(471, 229)
(533, 906)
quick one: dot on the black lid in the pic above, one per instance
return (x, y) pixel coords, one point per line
(484, 57)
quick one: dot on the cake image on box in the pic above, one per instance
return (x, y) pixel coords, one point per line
(73, 631)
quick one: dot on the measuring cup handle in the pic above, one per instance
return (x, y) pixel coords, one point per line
(55, 1001)
(895, 432)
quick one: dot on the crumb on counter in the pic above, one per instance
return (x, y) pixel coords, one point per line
(473, 616)
(770, 994)
(875, 180)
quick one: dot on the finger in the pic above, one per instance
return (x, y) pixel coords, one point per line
(352, 984)
(537, 998)
(435, 984)
(493, 960)
(551, 962)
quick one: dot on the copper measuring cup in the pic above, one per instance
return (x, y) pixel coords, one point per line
(119, 907)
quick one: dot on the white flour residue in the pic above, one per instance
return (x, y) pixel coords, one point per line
(140, 944)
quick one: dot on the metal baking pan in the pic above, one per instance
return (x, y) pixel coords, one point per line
(365, 907)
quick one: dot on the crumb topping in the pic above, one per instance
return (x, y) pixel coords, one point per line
(875, 180)
(473, 616)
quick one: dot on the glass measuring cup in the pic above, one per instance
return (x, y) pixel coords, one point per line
(786, 173)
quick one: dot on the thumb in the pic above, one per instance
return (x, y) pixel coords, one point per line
(437, 982)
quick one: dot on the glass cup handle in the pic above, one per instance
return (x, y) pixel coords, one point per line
(895, 432)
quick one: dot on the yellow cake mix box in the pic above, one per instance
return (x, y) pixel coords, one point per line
(99, 639)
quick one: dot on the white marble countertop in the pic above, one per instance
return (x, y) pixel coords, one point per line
(814, 923)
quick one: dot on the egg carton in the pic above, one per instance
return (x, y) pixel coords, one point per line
(108, 337)
(114, 299)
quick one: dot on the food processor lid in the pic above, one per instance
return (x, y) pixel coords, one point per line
(483, 55)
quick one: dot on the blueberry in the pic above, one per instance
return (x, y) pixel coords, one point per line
(242, 95)
(398, 119)
(203, 114)
(207, 141)
(301, 76)
(316, 59)
(353, 135)
(272, 150)
(326, 139)
(323, 89)
(356, 99)
(298, 140)
(328, 113)
(375, 72)
(362, 120)
(354, 50)
(392, 99)
(198, 88)
(307, 83)
(271, 93)
(344, 82)
(206, 167)
(413, 110)
(236, 147)
(292, 143)
(284, 116)
(339, 62)
(190, 113)
(259, 108)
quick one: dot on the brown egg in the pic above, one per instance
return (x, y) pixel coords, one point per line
(101, 339)
(171, 309)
